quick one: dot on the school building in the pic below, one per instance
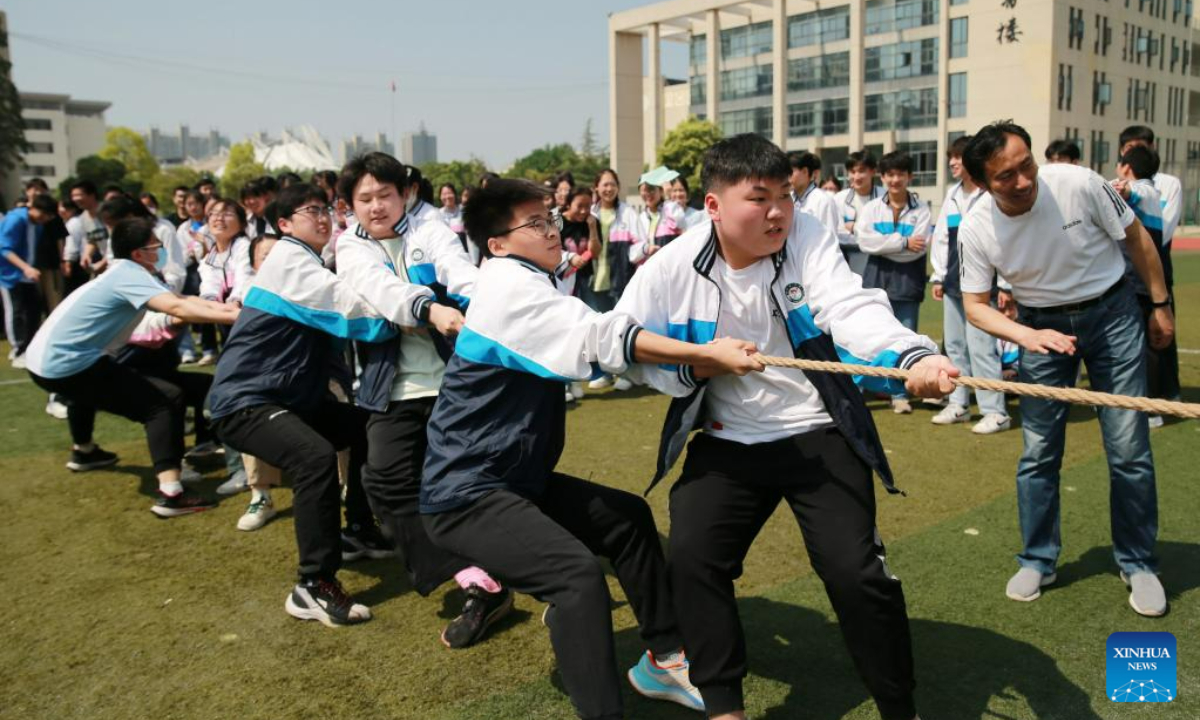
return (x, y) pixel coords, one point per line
(833, 76)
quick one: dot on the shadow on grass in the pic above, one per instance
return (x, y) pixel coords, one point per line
(960, 669)
(1179, 564)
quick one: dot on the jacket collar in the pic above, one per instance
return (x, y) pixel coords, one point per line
(301, 243)
(707, 257)
(400, 228)
(527, 264)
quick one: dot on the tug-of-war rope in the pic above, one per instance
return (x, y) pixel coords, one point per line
(1069, 395)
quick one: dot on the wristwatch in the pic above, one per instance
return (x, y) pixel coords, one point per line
(1164, 303)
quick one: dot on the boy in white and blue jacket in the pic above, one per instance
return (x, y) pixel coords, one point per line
(773, 274)
(270, 397)
(893, 230)
(490, 492)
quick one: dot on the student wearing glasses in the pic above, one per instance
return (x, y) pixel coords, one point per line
(68, 356)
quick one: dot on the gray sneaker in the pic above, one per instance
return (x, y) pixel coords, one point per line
(236, 483)
(1027, 584)
(1146, 595)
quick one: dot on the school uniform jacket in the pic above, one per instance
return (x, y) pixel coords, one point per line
(1147, 204)
(670, 216)
(845, 203)
(284, 344)
(500, 418)
(437, 269)
(225, 275)
(622, 236)
(821, 205)
(897, 271)
(826, 312)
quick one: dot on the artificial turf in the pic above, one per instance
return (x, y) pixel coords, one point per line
(114, 614)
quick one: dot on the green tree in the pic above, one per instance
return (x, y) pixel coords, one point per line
(127, 146)
(683, 148)
(12, 128)
(547, 161)
(101, 172)
(587, 143)
(457, 172)
(240, 168)
(163, 185)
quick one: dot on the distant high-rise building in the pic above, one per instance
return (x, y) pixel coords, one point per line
(358, 145)
(59, 131)
(179, 148)
(420, 147)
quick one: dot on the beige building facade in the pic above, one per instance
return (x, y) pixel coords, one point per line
(836, 76)
(59, 131)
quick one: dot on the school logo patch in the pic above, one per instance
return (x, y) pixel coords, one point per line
(1141, 667)
(794, 293)
(418, 255)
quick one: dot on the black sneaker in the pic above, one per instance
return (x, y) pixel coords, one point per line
(185, 503)
(325, 601)
(359, 541)
(481, 610)
(94, 460)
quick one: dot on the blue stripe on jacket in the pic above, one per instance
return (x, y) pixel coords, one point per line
(478, 349)
(328, 321)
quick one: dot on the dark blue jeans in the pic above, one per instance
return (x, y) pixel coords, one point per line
(1110, 341)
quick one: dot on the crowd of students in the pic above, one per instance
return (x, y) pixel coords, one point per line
(413, 363)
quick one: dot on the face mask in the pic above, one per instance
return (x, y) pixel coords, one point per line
(160, 261)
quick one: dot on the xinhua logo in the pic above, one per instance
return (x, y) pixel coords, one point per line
(1141, 667)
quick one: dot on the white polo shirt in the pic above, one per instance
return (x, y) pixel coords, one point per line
(1064, 250)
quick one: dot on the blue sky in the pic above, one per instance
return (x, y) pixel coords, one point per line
(493, 79)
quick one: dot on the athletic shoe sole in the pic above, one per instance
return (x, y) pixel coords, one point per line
(167, 513)
(1046, 580)
(491, 619)
(302, 613)
(261, 518)
(1134, 605)
(84, 467)
(671, 694)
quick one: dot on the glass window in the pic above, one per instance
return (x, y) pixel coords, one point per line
(699, 89)
(901, 60)
(889, 15)
(822, 117)
(44, 171)
(754, 120)
(36, 123)
(41, 147)
(698, 50)
(958, 95)
(748, 82)
(901, 110)
(819, 26)
(823, 71)
(746, 41)
(958, 37)
(925, 159)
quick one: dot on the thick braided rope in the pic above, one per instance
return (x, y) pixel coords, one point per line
(1070, 395)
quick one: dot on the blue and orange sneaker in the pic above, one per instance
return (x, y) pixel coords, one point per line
(665, 682)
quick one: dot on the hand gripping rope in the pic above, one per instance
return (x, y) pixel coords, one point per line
(1062, 394)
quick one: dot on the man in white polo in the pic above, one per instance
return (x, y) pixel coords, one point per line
(1053, 234)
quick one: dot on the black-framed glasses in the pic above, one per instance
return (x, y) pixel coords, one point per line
(159, 246)
(314, 211)
(540, 225)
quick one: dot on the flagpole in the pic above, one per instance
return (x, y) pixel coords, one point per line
(395, 148)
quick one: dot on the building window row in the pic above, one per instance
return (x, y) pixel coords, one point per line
(42, 171)
(1176, 106)
(1066, 83)
(958, 37)
(1193, 150)
(755, 120)
(698, 50)
(36, 123)
(754, 81)
(885, 16)
(1103, 35)
(901, 110)
(822, 71)
(699, 89)
(925, 161)
(822, 117)
(746, 41)
(819, 26)
(901, 60)
(41, 147)
(1140, 99)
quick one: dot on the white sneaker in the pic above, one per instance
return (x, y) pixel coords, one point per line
(570, 397)
(577, 390)
(601, 382)
(207, 359)
(189, 475)
(952, 414)
(622, 384)
(1027, 584)
(18, 362)
(901, 406)
(665, 682)
(992, 423)
(187, 358)
(1156, 421)
(56, 410)
(1146, 594)
(259, 513)
(935, 402)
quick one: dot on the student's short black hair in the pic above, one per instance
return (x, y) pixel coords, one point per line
(255, 243)
(487, 177)
(205, 181)
(196, 195)
(804, 160)
(329, 177)
(289, 178)
(1142, 161)
(990, 140)
(1063, 148)
(38, 183)
(896, 160)
(833, 179)
(564, 176)
(122, 207)
(271, 213)
(958, 146)
(86, 186)
(490, 211)
(269, 184)
(131, 234)
(69, 205)
(862, 157)
(44, 203)
(452, 189)
(579, 191)
(414, 175)
(381, 166)
(251, 189)
(1136, 132)
(295, 196)
(149, 196)
(178, 188)
(114, 188)
(743, 157)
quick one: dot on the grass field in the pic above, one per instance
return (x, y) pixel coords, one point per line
(114, 614)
